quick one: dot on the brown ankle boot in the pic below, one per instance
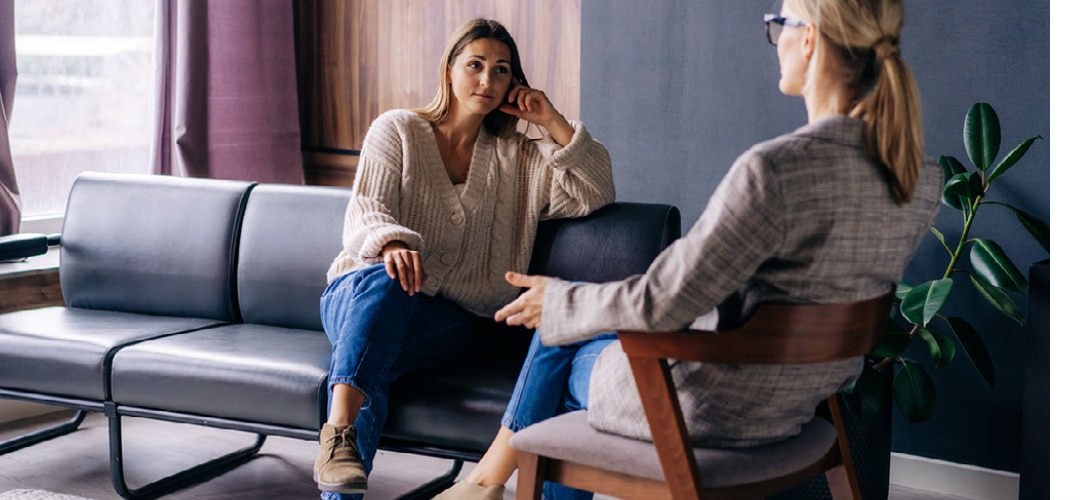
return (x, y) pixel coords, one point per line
(338, 468)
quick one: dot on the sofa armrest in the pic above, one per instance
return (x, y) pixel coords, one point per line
(615, 242)
(23, 245)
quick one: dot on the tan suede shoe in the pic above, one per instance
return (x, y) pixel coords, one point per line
(338, 468)
(464, 490)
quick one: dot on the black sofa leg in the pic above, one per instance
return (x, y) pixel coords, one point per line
(435, 486)
(195, 475)
(43, 434)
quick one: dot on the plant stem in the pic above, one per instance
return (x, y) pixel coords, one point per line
(954, 257)
(968, 220)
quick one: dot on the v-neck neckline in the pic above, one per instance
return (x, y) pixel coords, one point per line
(479, 165)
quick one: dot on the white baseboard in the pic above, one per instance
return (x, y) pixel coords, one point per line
(967, 481)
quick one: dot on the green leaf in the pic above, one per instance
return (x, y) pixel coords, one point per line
(893, 343)
(961, 188)
(871, 391)
(951, 166)
(982, 135)
(1036, 227)
(914, 393)
(902, 288)
(940, 237)
(998, 298)
(1011, 159)
(973, 347)
(942, 349)
(989, 261)
(924, 301)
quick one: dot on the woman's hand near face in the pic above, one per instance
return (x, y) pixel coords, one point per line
(403, 265)
(528, 308)
(533, 106)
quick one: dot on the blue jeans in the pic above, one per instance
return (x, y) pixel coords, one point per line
(380, 333)
(554, 380)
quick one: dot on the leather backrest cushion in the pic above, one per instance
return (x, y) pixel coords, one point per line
(615, 242)
(151, 244)
(288, 238)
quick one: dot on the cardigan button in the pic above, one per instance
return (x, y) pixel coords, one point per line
(457, 219)
(446, 259)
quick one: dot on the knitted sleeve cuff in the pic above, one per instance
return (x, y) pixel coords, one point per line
(375, 240)
(580, 147)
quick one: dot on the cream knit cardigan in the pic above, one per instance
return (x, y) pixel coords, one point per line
(402, 192)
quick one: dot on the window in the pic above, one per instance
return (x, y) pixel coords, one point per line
(83, 94)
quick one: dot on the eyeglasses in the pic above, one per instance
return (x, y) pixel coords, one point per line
(774, 24)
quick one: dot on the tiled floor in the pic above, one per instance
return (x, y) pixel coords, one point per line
(78, 464)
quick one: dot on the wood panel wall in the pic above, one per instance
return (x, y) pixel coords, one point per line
(359, 58)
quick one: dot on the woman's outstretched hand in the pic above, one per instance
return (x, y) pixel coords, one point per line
(533, 106)
(527, 309)
(403, 265)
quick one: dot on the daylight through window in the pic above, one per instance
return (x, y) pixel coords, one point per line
(83, 94)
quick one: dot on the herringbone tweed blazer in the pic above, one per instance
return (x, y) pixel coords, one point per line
(806, 217)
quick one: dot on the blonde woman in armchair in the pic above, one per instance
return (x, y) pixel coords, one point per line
(831, 212)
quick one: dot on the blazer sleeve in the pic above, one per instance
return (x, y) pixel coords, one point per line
(741, 227)
(373, 214)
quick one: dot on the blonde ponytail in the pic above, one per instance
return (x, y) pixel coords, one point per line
(866, 35)
(893, 117)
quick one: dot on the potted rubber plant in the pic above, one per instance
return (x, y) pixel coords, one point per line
(917, 316)
(971, 261)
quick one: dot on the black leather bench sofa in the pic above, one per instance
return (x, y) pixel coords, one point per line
(196, 301)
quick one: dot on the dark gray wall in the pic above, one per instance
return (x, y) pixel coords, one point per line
(678, 89)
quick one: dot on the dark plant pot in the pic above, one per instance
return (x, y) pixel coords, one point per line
(870, 439)
(1035, 451)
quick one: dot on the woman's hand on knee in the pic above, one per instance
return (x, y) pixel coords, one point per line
(404, 265)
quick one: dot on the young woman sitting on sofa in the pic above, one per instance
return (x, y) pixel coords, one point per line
(446, 199)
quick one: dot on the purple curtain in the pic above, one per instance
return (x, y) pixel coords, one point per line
(227, 100)
(10, 206)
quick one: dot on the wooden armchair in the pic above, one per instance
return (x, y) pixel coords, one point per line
(566, 450)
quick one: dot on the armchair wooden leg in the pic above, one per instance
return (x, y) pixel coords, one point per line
(530, 476)
(843, 484)
(840, 484)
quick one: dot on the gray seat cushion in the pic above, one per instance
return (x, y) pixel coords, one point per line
(66, 351)
(254, 373)
(570, 437)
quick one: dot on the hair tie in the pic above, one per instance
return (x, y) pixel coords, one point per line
(886, 47)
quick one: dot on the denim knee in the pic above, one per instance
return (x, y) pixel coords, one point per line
(365, 313)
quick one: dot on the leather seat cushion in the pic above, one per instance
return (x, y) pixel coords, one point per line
(460, 406)
(65, 351)
(246, 372)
